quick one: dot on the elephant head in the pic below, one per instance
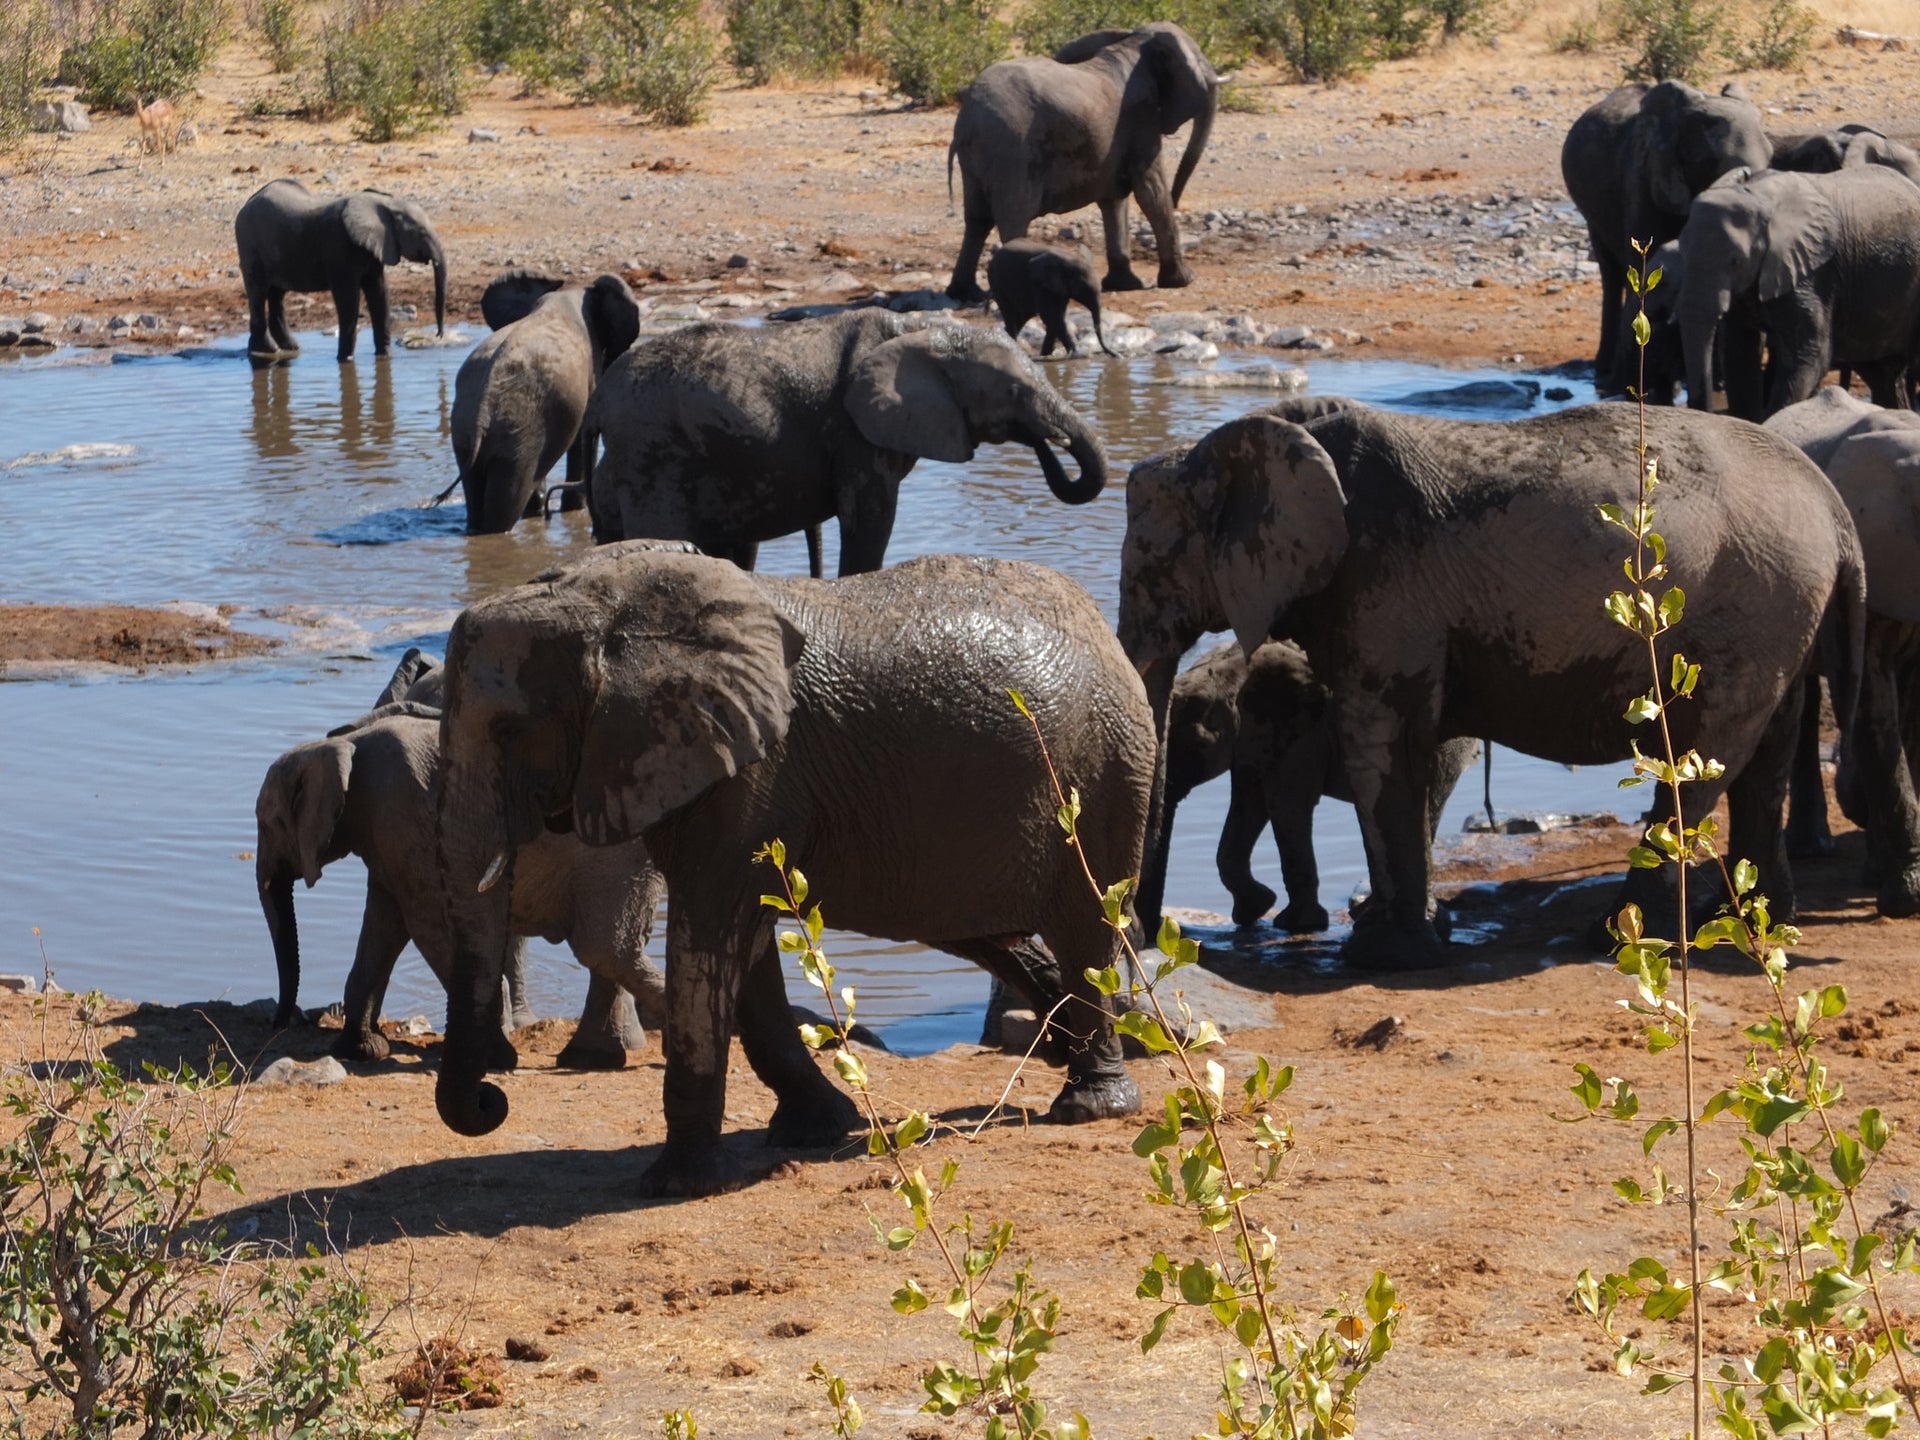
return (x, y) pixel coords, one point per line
(613, 319)
(299, 810)
(940, 392)
(513, 295)
(1177, 84)
(1689, 139)
(393, 230)
(604, 698)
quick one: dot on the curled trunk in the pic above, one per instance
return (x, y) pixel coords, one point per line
(1196, 143)
(276, 900)
(1084, 446)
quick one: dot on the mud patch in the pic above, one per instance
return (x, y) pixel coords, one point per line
(118, 635)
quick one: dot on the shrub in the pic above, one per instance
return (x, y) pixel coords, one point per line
(1579, 37)
(395, 67)
(1780, 37)
(1223, 29)
(1671, 39)
(538, 40)
(1317, 39)
(144, 49)
(935, 48)
(766, 38)
(1400, 28)
(278, 22)
(1457, 18)
(26, 57)
(655, 55)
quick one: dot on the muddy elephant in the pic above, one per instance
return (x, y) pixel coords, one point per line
(1872, 456)
(866, 723)
(1827, 266)
(1045, 136)
(371, 792)
(728, 435)
(1632, 164)
(1445, 579)
(520, 399)
(1028, 279)
(293, 240)
(1266, 722)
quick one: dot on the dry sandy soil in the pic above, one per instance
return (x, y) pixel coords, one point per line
(1436, 1156)
(127, 636)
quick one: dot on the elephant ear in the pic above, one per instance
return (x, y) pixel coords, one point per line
(694, 684)
(302, 800)
(1656, 146)
(613, 319)
(900, 399)
(1279, 520)
(513, 295)
(1801, 233)
(1075, 52)
(369, 224)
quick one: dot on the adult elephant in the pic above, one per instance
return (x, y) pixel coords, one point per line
(293, 240)
(728, 436)
(1044, 136)
(1828, 266)
(1825, 151)
(1265, 722)
(1632, 164)
(865, 722)
(520, 399)
(1445, 580)
(1872, 456)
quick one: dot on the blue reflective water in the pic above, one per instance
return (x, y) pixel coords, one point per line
(297, 495)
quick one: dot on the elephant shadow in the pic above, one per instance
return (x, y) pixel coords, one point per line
(241, 1038)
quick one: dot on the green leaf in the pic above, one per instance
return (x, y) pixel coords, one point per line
(1589, 1088)
(1668, 1302)
(901, 1236)
(1849, 1161)
(910, 1299)
(1196, 1284)
(1641, 858)
(1248, 1326)
(1673, 605)
(1643, 709)
(1657, 1132)
(1874, 1132)
(1144, 1028)
(1642, 330)
(1106, 981)
(799, 883)
(1156, 1330)
(1863, 1248)
(1381, 1299)
(1020, 703)
(1775, 1111)
(1114, 898)
(1653, 278)
(1833, 1001)
(911, 1130)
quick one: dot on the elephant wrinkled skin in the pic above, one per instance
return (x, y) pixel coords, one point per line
(1445, 579)
(864, 722)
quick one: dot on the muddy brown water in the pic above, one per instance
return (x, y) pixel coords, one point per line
(296, 494)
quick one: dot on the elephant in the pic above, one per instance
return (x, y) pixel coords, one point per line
(1028, 279)
(1632, 164)
(1872, 456)
(1045, 136)
(1828, 266)
(1446, 579)
(1842, 149)
(371, 792)
(728, 435)
(292, 239)
(1267, 722)
(521, 397)
(866, 723)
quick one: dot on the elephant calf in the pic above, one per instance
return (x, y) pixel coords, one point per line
(1267, 722)
(372, 792)
(1028, 279)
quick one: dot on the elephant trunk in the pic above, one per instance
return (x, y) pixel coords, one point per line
(477, 871)
(276, 900)
(1099, 325)
(1158, 676)
(439, 289)
(1087, 452)
(1700, 319)
(1196, 143)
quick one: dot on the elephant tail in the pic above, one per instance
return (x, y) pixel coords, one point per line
(1843, 639)
(951, 151)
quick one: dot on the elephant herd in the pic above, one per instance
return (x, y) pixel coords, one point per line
(1397, 587)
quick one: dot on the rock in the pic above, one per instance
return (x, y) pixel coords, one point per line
(68, 117)
(1167, 341)
(38, 340)
(839, 282)
(1288, 336)
(1313, 342)
(9, 334)
(150, 323)
(1212, 997)
(914, 301)
(38, 321)
(264, 1008)
(1262, 376)
(1191, 320)
(1480, 395)
(1558, 392)
(477, 136)
(1019, 1029)
(416, 1025)
(288, 1071)
(1130, 340)
(188, 134)
(1198, 352)
(738, 262)
(20, 984)
(81, 325)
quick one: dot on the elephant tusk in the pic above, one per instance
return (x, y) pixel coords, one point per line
(494, 872)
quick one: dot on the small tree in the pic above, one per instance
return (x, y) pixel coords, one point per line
(1670, 39)
(657, 55)
(935, 48)
(1779, 38)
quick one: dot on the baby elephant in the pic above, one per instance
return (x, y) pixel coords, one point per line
(1028, 279)
(373, 792)
(1267, 722)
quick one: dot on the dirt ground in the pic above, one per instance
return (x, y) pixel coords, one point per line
(119, 635)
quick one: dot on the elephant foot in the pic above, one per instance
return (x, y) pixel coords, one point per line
(1175, 277)
(1383, 941)
(1811, 840)
(1900, 899)
(812, 1120)
(368, 1046)
(591, 1055)
(1251, 903)
(1121, 280)
(1302, 918)
(686, 1171)
(966, 292)
(1103, 1096)
(501, 1057)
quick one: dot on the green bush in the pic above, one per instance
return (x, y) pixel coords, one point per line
(656, 55)
(394, 67)
(1317, 39)
(934, 48)
(1223, 29)
(808, 38)
(538, 40)
(1670, 39)
(26, 58)
(144, 49)
(1780, 37)
(1457, 18)
(278, 22)
(1401, 28)
(1579, 37)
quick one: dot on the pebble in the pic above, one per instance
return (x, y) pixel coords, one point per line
(288, 1071)
(477, 136)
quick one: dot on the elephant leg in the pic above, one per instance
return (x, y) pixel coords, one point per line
(1024, 973)
(1808, 835)
(811, 1110)
(1893, 825)
(1887, 383)
(1388, 766)
(277, 321)
(1746, 369)
(608, 1028)
(1757, 802)
(514, 975)
(704, 960)
(1156, 203)
(1054, 316)
(1114, 226)
(1289, 809)
(866, 524)
(1613, 285)
(1233, 856)
(1098, 1086)
(978, 210)
(1000, 999)
(383, 935)
(346, 305)
(257, 341)
(375, 289)
(814, 558)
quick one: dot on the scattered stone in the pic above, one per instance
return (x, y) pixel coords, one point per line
(791, 1329)
(38, 340)
(1378, 1035)
(80, 325)
(839, 282)
(35, 323)
(288, 1071)
(68, 117)
(862, 1035)
(150, 323)
(740, 1366)
(477, 136)
(1286, 337)
(1196, 352)
(188, 134)
(738, 262)
(20, 984)
(1539, 823)
(415, 1025)
(529, 1350)
(1558, 392)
